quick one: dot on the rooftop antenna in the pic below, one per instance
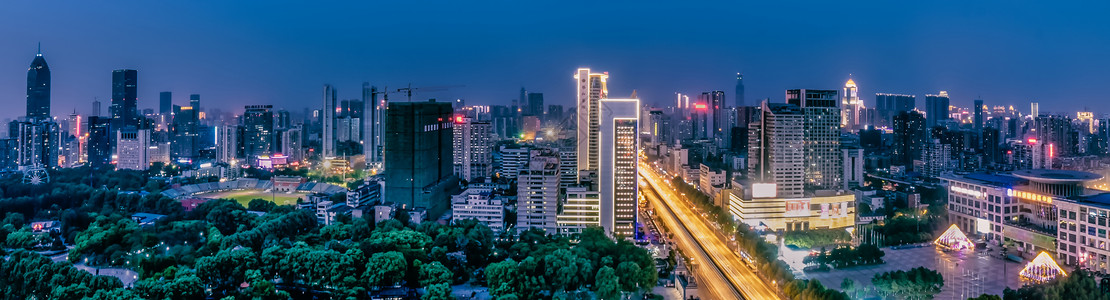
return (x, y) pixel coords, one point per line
(40, 49)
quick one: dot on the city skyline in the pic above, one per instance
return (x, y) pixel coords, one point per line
(973, 51)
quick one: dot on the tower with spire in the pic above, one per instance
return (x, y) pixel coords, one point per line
(38, 88)
(851, 106)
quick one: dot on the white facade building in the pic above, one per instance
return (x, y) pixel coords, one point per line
(619, 144)
(131, 149)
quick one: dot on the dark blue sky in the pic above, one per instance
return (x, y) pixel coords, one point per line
(251, 52)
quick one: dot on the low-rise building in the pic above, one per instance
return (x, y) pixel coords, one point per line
(581, 209)
(758, 206)
(480, 205)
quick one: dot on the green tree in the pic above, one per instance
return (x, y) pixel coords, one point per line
(439, 291)
(386, 269)
(434, 273)
(502, 278)
(608, 285)
(260, 205)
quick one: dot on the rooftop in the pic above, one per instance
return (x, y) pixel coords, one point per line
(1056, 176)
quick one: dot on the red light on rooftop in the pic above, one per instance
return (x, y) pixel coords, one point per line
(1032, 141)
(458, 119)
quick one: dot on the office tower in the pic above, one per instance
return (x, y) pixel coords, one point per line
(419, 171)
(656, 127)
(473, 146)
(992, 138)
(99, 143)
(712, 118)
(775, 149)
(165, 103)
(909, 137)
(936, 109)
(535, 105)
(185, 135)
(227, 145)
(851, 107)
(283, 120)
(375, 112)
(38, 144)
(510, 159)
(822, 136)
(568, 167)
(592, 87)
(888, 105)
(1034, 109)
(538, 192)
(978, 116)
(579, 210)
(618, 140)
(75, 152)
(327, 141)
(194, 101)
(523, 100)
(96, 106)
(38, 89)
(740, 90)
(131, 149)
(258, 131)
(1055, 130)
(124, 95)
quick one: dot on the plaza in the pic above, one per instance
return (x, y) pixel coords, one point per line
(967, 273)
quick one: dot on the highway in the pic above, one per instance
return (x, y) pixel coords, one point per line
(722, 271)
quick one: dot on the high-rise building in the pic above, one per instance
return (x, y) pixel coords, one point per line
(554, 114)
(775, 149)
(194, 101)
(888, 105)
(165, 103)
(375, 112)
(1055, 130)
(618, 140)
(1035, 109)
(978, 116)
(131, 149)
(290, 144)
(185, 135)
(473, 146)
(538, 192)
(38, 144)
(579, 210)
(99, 146)
(227, 145)
(592, 87)
(851, 106)
(713, 121)
(327, 141)
(417, 155)
(909, 137)
(258, 132)
(96, 106)
(535, 105)
(936, 109)
(38, 89)
(822, 136)
(853, 167)
(124, 97)
(740, 90)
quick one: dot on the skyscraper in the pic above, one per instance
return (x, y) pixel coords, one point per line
(1035, 109)
(227, 145)
(131, 149)
(909, 138)
(38, 144)
(165, 103)
(375, 112)
(194, 101)
(888, 105)
(740, 90)
(327, 141)
(99, 143)
(822, 136)
(775, 143)
(592, 87)
(417, 155)
(618, 140)
(936, 109)
(851, 107)
(96, 106)
(38, 89)
(473, 146)
(124, 94)
(258, 131)
(538, 192)
(978, 116)
(714, 116)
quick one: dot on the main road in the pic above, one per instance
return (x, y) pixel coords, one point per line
(723, 271)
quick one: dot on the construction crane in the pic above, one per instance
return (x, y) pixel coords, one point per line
(409, 90)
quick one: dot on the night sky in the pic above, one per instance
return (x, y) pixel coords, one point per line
(235, 53)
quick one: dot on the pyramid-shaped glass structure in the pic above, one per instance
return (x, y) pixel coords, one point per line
(1043, 268)
(954, 239)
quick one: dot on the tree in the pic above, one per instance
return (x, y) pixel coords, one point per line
(629, 274)
(917, 283)
(386, 269)
(260, 205)
(434, 273)
(848, 286)
(608, 285)
(502, 278)
(439, 291)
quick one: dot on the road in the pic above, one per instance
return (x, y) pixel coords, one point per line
(727, 277)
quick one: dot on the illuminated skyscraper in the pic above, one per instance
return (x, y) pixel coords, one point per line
(909, 138)
(591, 89)
(851, 107)
(124, 95)
(775, 148)
(473, 145)
(619, 144)
(38, 89)
(822, 137)
(258, 129)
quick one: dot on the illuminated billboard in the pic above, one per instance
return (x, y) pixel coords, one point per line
(797, 208)
(764, 190)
